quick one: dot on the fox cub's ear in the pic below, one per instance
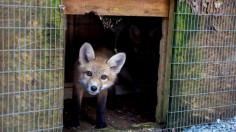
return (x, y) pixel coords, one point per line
(86, 53)
(116, 62)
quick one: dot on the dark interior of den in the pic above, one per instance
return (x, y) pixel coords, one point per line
(133, 98)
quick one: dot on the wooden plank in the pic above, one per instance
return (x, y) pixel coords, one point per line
(162, 71)
(168, 62)
(118, 7)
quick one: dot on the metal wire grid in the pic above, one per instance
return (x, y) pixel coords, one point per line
(31, 68)
(203, 65)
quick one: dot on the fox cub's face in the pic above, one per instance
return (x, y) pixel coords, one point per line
(97, 71)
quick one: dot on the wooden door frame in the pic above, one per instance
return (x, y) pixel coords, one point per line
(156, 8)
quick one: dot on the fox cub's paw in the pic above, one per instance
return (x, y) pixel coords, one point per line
(101, 125)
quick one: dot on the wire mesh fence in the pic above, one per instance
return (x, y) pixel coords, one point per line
(203, 75)
(31, 68)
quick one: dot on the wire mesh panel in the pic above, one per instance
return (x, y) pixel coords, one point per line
(203, 65)
(31, 68)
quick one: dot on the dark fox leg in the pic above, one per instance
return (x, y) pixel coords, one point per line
(101, 106)
(76, 102)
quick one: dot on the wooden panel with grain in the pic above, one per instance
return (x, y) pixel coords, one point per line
(118, 7)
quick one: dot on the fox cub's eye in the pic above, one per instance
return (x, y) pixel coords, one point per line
(88, 73)
(104, 77)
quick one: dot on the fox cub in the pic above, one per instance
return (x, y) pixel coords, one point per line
(95, 72)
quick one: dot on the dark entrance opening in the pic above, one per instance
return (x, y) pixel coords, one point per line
(133, 98)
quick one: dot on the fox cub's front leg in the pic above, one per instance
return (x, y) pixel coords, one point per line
(101, 105)
(77, 96)
(100, 113)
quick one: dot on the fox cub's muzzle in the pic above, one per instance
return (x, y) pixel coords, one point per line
(93, 89)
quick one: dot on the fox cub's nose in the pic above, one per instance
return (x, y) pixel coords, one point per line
(93, 88)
